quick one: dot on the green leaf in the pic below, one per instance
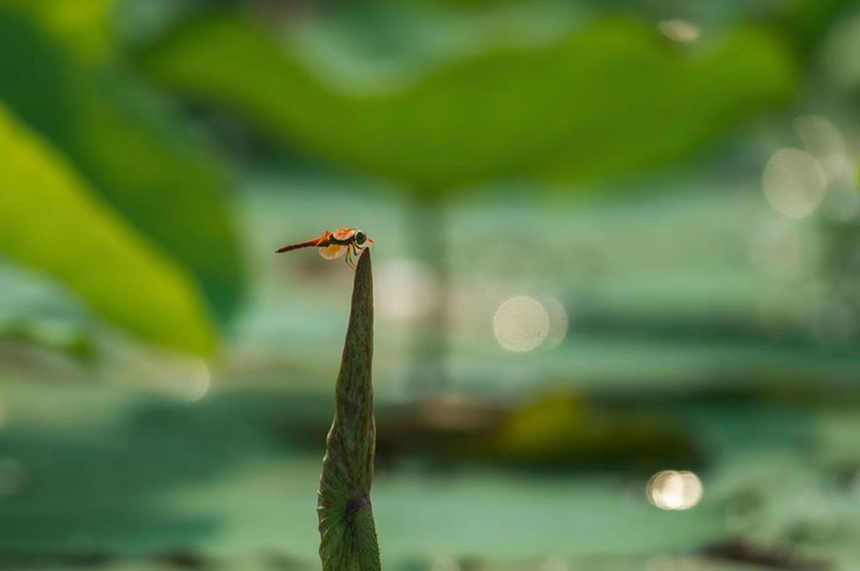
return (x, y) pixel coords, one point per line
(83, 25)
(161, 179)
(347, 530)
(52, 220)
(614, 97)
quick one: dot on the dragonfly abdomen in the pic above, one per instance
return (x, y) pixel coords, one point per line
(308, 244)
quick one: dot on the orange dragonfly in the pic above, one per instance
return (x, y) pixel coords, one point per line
(333, 245)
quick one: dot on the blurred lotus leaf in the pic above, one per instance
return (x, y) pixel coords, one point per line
(560, 429)
(557, 430)
(53, 221)
(541, 427)
(608, 99)
(82, 25)
(157, 176)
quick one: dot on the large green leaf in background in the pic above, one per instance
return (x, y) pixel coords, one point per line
(82, 25)
(52, 220)
(158, 177)
(614, 97)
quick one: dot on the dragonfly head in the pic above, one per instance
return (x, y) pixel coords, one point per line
(361, 238)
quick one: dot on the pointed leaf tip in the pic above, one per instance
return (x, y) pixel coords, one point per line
(347, 530)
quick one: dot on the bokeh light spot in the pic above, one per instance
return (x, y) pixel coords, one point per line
(673, 490)
(521, 324)
(184, 378)
(557, 322)
(680, 30)
(777, 249)
(199, 381)
(405, 289)
(794, 183)
(820, 136)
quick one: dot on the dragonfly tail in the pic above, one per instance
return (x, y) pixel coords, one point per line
(291, 247)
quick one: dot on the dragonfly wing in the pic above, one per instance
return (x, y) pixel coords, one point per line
(333, 252)
(343, 234)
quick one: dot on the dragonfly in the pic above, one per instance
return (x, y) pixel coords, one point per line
(333, 245)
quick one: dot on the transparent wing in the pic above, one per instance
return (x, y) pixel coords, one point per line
(333, 252)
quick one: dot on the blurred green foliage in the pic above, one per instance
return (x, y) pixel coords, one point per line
(83, 26)
(603, 100)
(59, 225)
(123, 144)
(75, 342)
(608, 99)
(809, 20)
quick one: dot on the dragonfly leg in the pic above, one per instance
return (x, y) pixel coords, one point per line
(349, 262)
(356, 251)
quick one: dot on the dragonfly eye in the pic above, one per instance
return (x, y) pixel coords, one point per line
(360, 237)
